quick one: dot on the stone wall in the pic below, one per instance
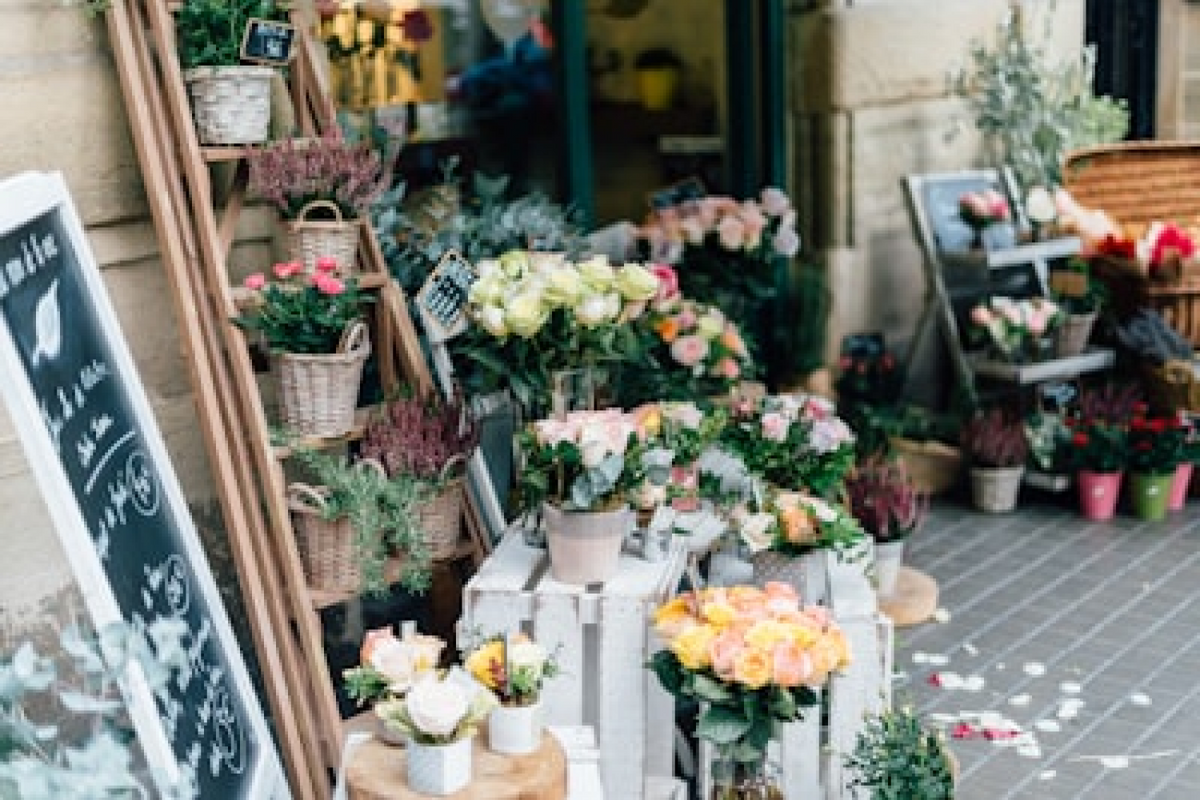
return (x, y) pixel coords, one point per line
(870, 105)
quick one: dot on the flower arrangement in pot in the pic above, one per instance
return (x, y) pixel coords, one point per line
(438, 718)
(579, 472)
(322, 188)
(1097, 450)
(389, 665)
(1157, 446)
(888, 505)
(680, 430)
(751, 657)
(313, 325)
(231, 102)
(428, 441)
(1080, 296)
(1016, 330)
(514, 668)
(996, 448)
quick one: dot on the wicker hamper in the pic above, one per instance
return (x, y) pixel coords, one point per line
(1172, 387)
(326, 545)
(1138, 183)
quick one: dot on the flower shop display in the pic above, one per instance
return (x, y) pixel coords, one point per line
(514, 667)
(896, 757)
(979, 211)
(322, 188)
(792, 441)
(889, 507)
(1016, 330)
(313, 326)
(580, 471)
(390, 665)
(681, 431)
(231, 102)
(1156, 447)
(351, 519)
(724, 251)
(1097, 452)
(1080, 296)
(439, 717)
(751, 657)
(996, 449)
(535, 314)
(427, 440)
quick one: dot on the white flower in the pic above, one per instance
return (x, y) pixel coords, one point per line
(564, 287)
(597, 273)
(829, 434)
(820, 509)
(686, 414)
(596, 309)
(526, 655)
(491, 318)
(436, 707)
(755, 530)
(526, 314)
(1039, 205)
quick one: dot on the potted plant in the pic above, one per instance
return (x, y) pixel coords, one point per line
(428, 441)
(313, 327)
(231, 102)
(681, 431)
(580, 472)
(889, 507)
(351, 519)
(1015, 330)
(438, 717)
(740, 704)
(996, 449)
(980, 211)
(1080, 295)
(322, 188)
(514, 667)
(389, 666)
(657, 71)
(1157, 446)
(896, 757)
(1097, 450)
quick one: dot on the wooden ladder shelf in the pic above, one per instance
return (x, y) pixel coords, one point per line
(196, 233)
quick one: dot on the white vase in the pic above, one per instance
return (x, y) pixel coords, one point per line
(888, 558)
(515, 730)
(439, 769)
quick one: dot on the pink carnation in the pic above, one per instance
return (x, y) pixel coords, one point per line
(287, 269)
(327, 264)
(255, 281)
(668, 282)
(689, 350)
(775, 426)
(327, 284)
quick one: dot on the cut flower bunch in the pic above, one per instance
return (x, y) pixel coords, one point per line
(513, 667)
(389, 665)
(300, 313)
(793, 524)
(1016, 330)
(437, 710)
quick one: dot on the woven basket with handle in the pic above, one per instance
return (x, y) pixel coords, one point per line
(306, 239)
(319, 392)
(440, 517)
(230, 105)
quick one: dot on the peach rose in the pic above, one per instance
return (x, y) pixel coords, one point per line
(752, 668)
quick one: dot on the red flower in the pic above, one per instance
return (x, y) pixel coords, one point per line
(1080, 439)
(1121, 248)
(1171, 241)
(1157, 425)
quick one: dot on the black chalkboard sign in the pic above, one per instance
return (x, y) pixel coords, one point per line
(678, 194)
(84, 421)
(939, 201)
(443, 296)
(267, 42)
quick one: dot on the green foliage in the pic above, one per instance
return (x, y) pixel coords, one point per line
(209, 32)
(896, 758)
(1033, 110)
(38, 761)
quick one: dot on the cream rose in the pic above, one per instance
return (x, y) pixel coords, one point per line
(597, 273)
(526, 314)
(595, 309)
(436, 707)
(515, 263)
(636, 283)
(711, 325)
(563, 287)
(755, 530)
(526, 655)
(491, 319)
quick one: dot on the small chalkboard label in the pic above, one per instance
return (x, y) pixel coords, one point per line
(85, 423)
(268, 42)
(443, 296)
(678, 194)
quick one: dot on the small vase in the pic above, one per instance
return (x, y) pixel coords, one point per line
(1179, 486)
(1072, 337)
(888, 558)
(740, 780)
(995, 489)
(515, 730)
(1149, 494)
(1098, 493)
(439, 769)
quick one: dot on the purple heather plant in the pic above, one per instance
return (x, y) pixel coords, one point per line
(993, 439)
(421, 437)
(291, 173)
(882, 497)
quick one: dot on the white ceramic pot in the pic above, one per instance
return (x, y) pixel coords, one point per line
(515, 730)
(585, 546)
(439, 769)
(995, 489)
(888, 558)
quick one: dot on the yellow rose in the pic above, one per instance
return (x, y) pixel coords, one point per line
(487, 663)
(752, 668)
(563, 287)
(718, 612)
(526, 314)
(693, 647)
(636, 283)
(802, 635)
(765, 634)
(514, 263)
(711, 325)
(672, 617)
(597, 273)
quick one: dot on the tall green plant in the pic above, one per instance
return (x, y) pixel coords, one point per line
(1031, 109)
(210, 32)
(896, 758)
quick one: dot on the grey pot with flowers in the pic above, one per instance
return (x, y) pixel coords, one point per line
(890, 508)
(313, 325)
(996, 448)
(1080, 296)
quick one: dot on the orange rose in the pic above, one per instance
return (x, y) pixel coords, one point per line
(667, 329)
(798, 526)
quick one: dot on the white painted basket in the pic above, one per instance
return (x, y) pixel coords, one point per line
(230, 105)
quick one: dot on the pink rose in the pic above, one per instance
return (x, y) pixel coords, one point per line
(287, 269)
(732, 232)
(790, 665)
(725, 650)
(255, 282)
(668, 282)
(327, 284)
(689, 350)
(981, 315)
(326, 264)
(775, 426)
(726, 368)
(686, 319)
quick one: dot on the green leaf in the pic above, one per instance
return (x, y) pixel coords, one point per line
(710, 689)
(721, 724)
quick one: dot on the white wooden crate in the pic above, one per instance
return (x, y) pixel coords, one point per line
(810, 755)
(605, 637)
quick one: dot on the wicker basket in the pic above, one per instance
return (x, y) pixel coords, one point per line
(440, 519)
(1137, 183)
(1072, 336)
(306, 239)
(230, 105)
(318, 393)
(326, 545)
(1172, 387)
(934, 467)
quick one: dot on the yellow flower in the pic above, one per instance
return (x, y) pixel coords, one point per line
(597, 273)
(752, 668)
(764, 635)
(636, 283)
(486, 664)
(672, 617)
(693, 646)
(526, 314)
(718, 612)
(515, 263)
(564, 287)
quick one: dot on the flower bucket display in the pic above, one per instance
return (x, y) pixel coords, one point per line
(439, 769)
(230, 105)
(1148, 494)
(585, 546)
(319, 392)
(888, 558)
(1098, 493)
(995, 490)
(319, 230)
(1179, 486)
(1072, 336)
(515, 730)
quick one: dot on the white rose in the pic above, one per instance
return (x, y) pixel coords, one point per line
(395, 661)
(686, 414)
(636, 283)
(526, 655)
(564, 287)
(515, 263)
(486, 291)
(546, 263)
(595, 309)
(755, 530)
(1039, 205)
(526, 314)
(597, 273)
(436, 707)
(711, 325)
(491, 319)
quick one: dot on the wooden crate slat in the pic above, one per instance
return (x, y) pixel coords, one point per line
(621, 721)
(557, 624)
(800, 755)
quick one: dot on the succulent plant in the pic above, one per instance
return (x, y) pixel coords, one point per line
(884, 499)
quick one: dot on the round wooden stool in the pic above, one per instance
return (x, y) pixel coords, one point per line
(377, 771)
(914, 601)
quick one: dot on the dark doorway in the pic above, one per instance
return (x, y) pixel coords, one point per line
(1125, 33)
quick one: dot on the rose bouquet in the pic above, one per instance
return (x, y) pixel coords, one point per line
(514, 668)
(792, 441)
(1016, 330)
(534, 314)
(979, 210)
(437, 710)
(751, 657)
(301, 313)
(390, 665)
(793, 524)
(676, 433)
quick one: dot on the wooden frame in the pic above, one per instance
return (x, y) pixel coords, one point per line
(94, 447)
